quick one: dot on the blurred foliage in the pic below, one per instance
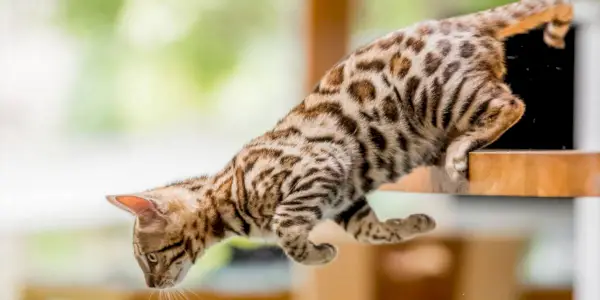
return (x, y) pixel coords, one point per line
(469, 6)
(389, 15)
(145, 62)
(90, 17)
(212, 47)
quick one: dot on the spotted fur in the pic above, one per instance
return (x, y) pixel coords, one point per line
(425, 95)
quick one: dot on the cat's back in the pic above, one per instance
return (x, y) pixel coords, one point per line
(416, 72)
(408, 58)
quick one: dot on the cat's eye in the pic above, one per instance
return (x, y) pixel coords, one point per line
(151, 257)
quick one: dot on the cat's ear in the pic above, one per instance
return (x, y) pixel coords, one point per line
(135, 204)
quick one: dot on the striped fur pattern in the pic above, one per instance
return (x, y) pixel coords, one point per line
(425, 95)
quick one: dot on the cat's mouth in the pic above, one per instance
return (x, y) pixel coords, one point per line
(163, 284)
(170, 282)
(159, 282)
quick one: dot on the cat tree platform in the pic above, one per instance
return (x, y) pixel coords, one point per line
(514, 173)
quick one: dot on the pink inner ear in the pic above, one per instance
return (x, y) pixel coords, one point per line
(135, 204)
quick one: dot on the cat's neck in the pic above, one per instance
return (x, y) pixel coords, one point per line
(214, 211)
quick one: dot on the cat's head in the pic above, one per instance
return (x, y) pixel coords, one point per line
(162, 237)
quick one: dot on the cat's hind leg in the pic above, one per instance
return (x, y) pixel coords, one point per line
(556, 30)
(360, 221)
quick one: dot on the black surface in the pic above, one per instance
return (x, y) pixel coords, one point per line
(255, 255)
(544, 78)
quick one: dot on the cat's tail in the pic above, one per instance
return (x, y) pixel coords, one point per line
(520, 17)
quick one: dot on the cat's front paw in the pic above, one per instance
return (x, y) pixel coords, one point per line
(421, 222)
(318, 255)
(456, 166)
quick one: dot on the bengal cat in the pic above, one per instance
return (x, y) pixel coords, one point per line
(425, 95)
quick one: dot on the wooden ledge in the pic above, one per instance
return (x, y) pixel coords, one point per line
(514, 173)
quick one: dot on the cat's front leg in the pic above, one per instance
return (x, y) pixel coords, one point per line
(489, 120)
(292, 223)
(457, 157)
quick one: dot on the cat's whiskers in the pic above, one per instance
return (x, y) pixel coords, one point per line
(183, 295)
(192, 292)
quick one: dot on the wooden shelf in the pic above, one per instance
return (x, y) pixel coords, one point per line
(74, 292)
(514, 173)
